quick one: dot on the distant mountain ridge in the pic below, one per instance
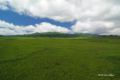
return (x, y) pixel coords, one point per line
(87, 34)
(51, 34)
(1, 36)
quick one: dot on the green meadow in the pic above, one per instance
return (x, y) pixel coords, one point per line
(93, 58)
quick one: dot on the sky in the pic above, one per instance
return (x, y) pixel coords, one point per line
(100, 17)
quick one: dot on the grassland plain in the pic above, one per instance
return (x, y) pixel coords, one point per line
(59, 58)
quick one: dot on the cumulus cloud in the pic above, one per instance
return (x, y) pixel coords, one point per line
(93, 27)
(6, 31)
(11, 29)
(65, 10)
(96, 27)
(3, 5)
(100, 13)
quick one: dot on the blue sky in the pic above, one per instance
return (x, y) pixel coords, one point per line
(17, 19)
(65, 16)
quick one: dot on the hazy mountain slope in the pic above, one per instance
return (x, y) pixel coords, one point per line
(52, 34)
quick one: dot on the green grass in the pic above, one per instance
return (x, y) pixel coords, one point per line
(59, 58)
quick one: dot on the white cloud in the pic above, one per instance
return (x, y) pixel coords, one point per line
(11, 29)
(3, 5)
(6, 31)
(47, 27)
(62, 10)
(96, 27)
(101, 13)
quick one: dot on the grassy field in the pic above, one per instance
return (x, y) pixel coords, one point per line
(59, 59)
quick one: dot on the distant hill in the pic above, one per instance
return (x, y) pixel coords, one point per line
(110, 36)
(87, 34)
(1, 36)
(52, 34)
